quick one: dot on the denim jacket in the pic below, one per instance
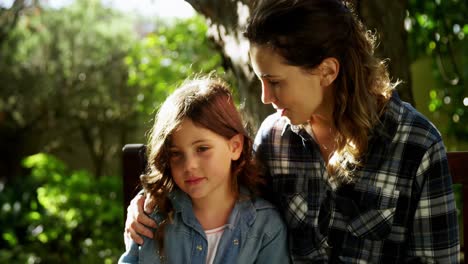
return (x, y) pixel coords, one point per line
(255, 233)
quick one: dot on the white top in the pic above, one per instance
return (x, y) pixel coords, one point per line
(213, 236)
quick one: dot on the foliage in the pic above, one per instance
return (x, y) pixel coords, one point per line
(440, 29)
(55, 215)
(64, 78)
(164, 58)
(80, 74)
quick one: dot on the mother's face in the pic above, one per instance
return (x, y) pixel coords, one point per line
(294, 92)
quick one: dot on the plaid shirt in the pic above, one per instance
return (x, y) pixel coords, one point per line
(400, 208)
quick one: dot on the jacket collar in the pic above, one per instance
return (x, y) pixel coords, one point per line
(244, 210)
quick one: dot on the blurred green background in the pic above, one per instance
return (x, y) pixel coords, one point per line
(79, 81)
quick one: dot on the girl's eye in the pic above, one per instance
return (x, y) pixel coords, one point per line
(175, 154)
(202, 148)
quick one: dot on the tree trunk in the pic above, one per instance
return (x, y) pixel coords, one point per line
(226, 20)
(387, 18)
(228, 17)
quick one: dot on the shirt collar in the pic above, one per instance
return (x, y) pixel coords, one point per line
(295, 128)
(387, 125)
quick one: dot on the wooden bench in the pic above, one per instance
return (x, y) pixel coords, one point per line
(458, 166)
(134, 163)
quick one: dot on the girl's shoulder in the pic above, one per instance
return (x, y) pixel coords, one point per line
(266, 220)
(260, 203)
(266, 212)
(179, 201)
(157, 216)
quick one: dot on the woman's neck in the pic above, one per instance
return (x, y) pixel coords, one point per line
(324, 134)
(323, 126)
(214, 211)
(324, 113)
(323, 121)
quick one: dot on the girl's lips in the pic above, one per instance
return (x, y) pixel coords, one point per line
(193, 181)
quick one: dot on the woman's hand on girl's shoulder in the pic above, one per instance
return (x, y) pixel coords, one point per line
(138, 223)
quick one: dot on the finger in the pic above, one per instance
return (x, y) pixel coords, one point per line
(149, 204)
(138, 229)
(128, 240)
(142, 218)
(131, 222)
(130, 234)
(140, 202)
(132, 211)
(133, 208)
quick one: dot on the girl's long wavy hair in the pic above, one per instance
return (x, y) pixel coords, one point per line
(304, 33)
(208, 103)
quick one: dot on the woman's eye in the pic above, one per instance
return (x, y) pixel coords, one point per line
(273, 83)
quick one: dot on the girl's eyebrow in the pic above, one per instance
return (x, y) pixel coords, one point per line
(199, 141)
(193, 143)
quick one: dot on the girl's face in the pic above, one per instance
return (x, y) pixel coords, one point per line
(291, 90)
(200, 161)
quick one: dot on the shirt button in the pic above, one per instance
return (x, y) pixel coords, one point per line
(235, 242)
(199, 248)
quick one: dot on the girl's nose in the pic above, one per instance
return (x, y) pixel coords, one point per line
(190, 163)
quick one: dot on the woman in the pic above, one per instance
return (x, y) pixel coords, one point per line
(359, 175)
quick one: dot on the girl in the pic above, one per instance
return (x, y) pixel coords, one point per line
(202, 177)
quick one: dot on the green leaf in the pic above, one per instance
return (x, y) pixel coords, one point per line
(10, 238)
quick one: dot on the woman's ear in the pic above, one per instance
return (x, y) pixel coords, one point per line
(329, 69)
(236, 144)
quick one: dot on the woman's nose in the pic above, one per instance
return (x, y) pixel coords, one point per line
(266, 94)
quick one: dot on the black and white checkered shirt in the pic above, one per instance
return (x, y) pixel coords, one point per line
(400, 208)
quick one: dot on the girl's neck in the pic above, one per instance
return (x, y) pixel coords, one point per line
(213, 212)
